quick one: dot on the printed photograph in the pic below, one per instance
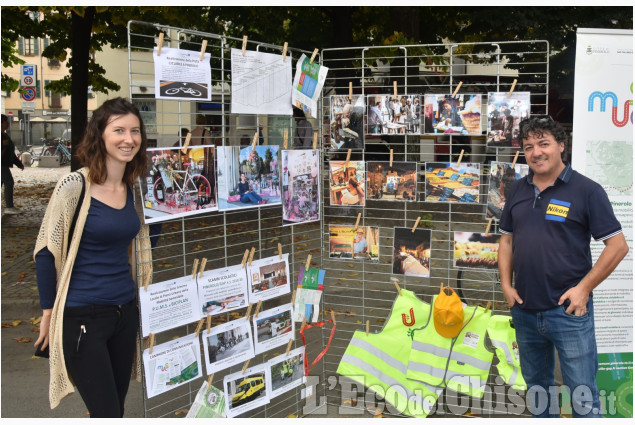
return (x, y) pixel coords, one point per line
(504, 114)
(227, 344)
(247, 177)
(179, 184)
(347, 183)
(347, 123)
(393, 114)
(286, 371)
(501, 178)
(346, 242)
(411, 255)
(448, 182)
(392, 183)
(447, 114)
(269, 327)
(269, 277)
(476, 250)
(300, 186)
(247, 389)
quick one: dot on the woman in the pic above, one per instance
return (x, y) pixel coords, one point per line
(90, 317)
(354, 195)
(246, 194)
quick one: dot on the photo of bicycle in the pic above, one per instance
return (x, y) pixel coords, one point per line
(178, 89)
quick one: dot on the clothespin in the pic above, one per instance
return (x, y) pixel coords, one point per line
(209, 381)
(394, 87)
(303, 323)
(350, 91)
(315, 52)
(151, 336)
(258, 308)
(460, 158)
(391, 157)
(279, 250)
(286, 139)
(308, 263)
(245, 366)
(333, 316)
(244, 258)
(512, 89)
(315, 139)
(249, 309)
(489, 304)
(284, 51)
(457, 89)
(194, 268)
(489, 224)
(293, 297)
(416, 224)
(187, 142)
(396, 282)
(515, 159)
(348, 158)
(199, 326)
(160, 43)
(202, 268)
(209, 323)
(203, 47)
(244, 44)
(359, 216)
(253, 144)
(251, 255)
(367, 327)
(286, 353)
(146, 280)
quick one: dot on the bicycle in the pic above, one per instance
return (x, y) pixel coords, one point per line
(196, 189)
(186, 90)
(56, 148)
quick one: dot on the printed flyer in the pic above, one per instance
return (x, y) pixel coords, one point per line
(172, 364)
(246, 391)
(182, 75)
(227, 344)
(222, 290)
(307, 85)
(286, 372)
(167, 305)
(268, 278)
(209, 403)
(308, 295)
(273, 328)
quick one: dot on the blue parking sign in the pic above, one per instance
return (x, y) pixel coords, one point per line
(28, 70)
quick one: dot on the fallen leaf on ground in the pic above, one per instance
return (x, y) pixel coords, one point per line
(16, 322)
(181, 412)
(23, 340)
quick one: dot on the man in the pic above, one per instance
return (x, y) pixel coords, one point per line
(546, 225)
(9, 159)
(360, 246)
(375, 120)
(303, 130)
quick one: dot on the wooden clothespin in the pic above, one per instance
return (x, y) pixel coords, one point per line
(151, 336)
(308, 263)
(249, 309)
(416, 224)
(359, 216)
(391, 157)
(315, 139)
(245, 366)
(160, 43)
(350, 91)
(279, 250)
(251, 255)
(394, 88)
(258, 308)
(333, 316)
(293, 297)
(244, 44)
(284, 51)
(209, 323)
(203, 47)
(315, 52)
(303, 323)
(515, 159)
(253, 144)
(209, 381)
(286, 353)
(460, 158)
(245, 256)
(286, 139)
(194, 268)
(489, 304)
(146, 280)
(396, 282)
(199, 326)
(457, 89)
(367, 327)
(188, 138)
(513, 87)
(201, 269)
(489, 224)
(348, 158)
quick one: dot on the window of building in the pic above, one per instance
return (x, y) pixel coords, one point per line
(148, 109)
(29, 46)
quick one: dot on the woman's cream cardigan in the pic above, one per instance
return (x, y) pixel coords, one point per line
(54, 236)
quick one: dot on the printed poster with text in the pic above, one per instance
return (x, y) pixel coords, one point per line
(222, 290)
(307, 85)
(182, 75)
(602, 150)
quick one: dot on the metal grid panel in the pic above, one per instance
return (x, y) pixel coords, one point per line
(221, 237)
(360, 291)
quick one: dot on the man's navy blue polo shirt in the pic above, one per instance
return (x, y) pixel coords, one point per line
(551, 234)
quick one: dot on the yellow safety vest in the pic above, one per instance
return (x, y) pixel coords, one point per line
(503, 338)
(380, 360)
(461, 363)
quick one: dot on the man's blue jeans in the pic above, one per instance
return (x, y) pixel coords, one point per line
(537, 334)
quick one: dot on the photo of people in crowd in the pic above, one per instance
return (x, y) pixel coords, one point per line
(300, 186)
(393, 114)
(347, 122)
(501, 178)
(411, 252)
(449, 182)
(447, 114)
(179, 183)
(504, 114)
(347, 183)
(476, 250)
(227, 344)
(396, 182)
(348, 242)
(248, 177)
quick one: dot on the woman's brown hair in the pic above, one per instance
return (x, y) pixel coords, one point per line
(91, 152)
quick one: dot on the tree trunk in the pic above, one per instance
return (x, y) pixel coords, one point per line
(81, 27)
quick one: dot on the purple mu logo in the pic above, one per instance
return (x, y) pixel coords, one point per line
(613, 97)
